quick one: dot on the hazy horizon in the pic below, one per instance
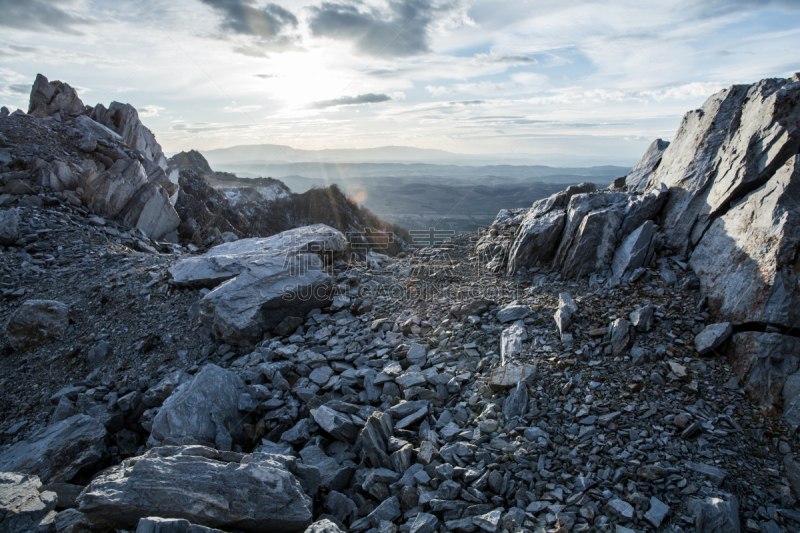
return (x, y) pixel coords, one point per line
(575, 81)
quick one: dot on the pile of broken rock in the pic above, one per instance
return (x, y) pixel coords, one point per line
(280, 387)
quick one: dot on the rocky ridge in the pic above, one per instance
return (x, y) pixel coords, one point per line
(288, 384)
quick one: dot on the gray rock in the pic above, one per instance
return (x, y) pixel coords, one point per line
(633, 250)
(566, 302)
(339, 425)
(9, 227)
(323, 526)
(56, 453)
(153, 524)
(642, 318)
(712, 337)
(621, 507)
(23, 507)
(150, 210)
(124, 120)
(621, 336)
(637, 178)
(643, 207)
(375, 439)
(417, 354)
(333, 475)
(716, 475)
(770, 359)
(510, 375)
(657, 513)
(67, 493)
(513, 312)
(511, 340)
(715, 515)
(387, 511)
(215, 489)
(563, 321)
(489, 521)
(424, 523)
(204, 409)
(339, 505)
(516, 403)
(109, 192)
(753, 235)
(288, 326)
(36, 322)
(536, 240)
(272, 278)
(48, 98)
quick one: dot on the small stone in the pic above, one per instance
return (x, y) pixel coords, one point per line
(712, 337)
(658, 511)
(489, 521)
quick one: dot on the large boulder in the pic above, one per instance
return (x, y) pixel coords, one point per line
(124, 120)
(592, 246)
(222, 490)
(48, 98)
(228, 260)
(109, 192)
(58, 452)
(733, 144)
(9, 227)
(204, 410)
(37, 322)
(536, 239)
(748, 260)
(634, 251)
(151, 211)
(267, 280)
(23, 507)
(637, 178)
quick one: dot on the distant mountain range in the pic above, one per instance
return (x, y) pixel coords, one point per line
(278, 154)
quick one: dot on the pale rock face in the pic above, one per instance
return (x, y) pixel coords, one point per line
(634, 250)
(736, 141)
(150, 211)
(124, 119)
(637, 178)
(748, 259)
(536, 239)
(248, 493)
(110, 191)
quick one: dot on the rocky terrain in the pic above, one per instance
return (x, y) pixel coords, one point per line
(621, 359)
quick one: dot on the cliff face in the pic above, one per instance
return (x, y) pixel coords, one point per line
(723, 198)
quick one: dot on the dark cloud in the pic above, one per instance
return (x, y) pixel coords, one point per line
(245, 17)
(514, 59)
(369, 98)
(403, 31)
(20, 88)
(467, 102)
(40, 14)
(265, 76)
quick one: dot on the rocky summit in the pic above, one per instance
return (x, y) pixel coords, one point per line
(178, 359)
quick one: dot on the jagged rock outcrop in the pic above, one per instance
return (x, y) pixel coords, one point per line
(124, 119)
(637, 178)
(250, 493)
(48, 98)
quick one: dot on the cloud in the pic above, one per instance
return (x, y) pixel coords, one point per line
(20, 88)
(401, 29)
(369, 98)
(516, 59)
(150, 111)
(242, 108)
(245, 17)
(40, 14)
(265, 76)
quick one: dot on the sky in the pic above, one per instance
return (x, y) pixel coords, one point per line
(582, 82)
